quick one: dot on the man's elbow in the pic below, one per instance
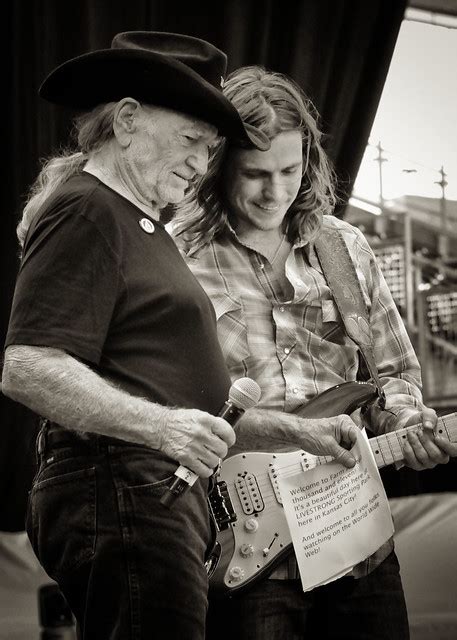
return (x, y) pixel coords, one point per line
(10, 384)
(14, 375)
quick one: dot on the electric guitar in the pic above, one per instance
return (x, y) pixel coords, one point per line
(245, 502)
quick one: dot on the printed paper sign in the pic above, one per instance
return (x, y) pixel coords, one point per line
(337, 516)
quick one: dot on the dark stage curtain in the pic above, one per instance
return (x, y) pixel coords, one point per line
(338, 50)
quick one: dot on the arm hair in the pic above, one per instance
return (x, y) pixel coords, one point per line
(59, 387)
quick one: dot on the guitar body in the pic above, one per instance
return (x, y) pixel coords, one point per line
(245, 503)
(258, 538)
(343, 398)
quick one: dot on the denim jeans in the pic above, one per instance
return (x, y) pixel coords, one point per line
(368, 608)
(130, 568)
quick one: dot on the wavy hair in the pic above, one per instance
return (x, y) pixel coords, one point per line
(273, 103)
(91, 130)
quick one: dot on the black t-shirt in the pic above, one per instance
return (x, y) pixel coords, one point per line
(96, 284)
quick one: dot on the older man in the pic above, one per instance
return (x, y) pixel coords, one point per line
(107, 332)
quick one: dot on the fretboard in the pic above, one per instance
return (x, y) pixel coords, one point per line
(388, 448)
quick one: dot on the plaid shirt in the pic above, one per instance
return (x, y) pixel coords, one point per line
(296, 347)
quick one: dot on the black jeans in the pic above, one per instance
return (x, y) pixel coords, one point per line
(369, 608)
(130, 568)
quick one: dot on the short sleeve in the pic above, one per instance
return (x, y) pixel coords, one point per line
(66, 289)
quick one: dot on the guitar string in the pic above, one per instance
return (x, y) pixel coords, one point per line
(295, 467)
(265, 483)
(386, 443)
(268, 495)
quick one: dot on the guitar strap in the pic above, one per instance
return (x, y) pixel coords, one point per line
(341, 276)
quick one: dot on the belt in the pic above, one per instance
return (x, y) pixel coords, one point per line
(54, 436)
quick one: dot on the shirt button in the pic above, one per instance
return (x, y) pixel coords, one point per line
(261, 265)
(295, 390)
(287, 350)
(281, 309)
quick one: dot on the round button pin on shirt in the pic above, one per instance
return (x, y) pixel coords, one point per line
(147, 225)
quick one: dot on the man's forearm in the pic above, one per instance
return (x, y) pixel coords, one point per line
(265, 429)
(59, 387)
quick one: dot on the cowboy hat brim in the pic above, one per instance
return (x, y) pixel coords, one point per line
(109, 75)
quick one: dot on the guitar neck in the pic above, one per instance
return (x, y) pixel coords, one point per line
(388, 448)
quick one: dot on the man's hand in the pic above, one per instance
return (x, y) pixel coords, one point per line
(195, 439)
(329, 437)
(424, 450)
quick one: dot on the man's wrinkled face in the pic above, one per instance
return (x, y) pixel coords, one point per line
(167, 150)
(260, 186)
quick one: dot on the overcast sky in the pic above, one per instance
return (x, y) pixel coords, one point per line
(416, 120)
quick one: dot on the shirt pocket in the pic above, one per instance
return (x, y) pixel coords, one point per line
(231, 329)
(331, 326)
(330, 312)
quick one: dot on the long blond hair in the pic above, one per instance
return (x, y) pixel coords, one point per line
(91, 131)
(273, 103)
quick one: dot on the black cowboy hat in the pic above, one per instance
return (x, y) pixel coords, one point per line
(163, 69)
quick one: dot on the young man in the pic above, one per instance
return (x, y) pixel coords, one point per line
(251, 244)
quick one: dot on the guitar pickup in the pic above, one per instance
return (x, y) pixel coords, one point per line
(249, 493)
(221, 506)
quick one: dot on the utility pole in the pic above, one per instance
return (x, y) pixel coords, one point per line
(443, 241)
(380, 222)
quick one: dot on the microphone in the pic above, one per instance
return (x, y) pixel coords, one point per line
(243, 394)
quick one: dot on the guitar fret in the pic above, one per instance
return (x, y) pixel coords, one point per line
(378, 450)
(395, 445)
(399, 448)
(389, 448)
(443, 422)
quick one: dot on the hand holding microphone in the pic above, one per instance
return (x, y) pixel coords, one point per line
(243, 394)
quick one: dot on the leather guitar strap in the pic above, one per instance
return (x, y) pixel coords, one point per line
(341, 276)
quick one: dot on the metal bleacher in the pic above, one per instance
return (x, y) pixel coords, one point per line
(424, 287)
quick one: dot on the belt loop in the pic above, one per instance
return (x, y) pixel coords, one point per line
(41, 439)
(101, 445)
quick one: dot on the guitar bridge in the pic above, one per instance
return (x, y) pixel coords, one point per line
(296, 461)
(220, 506)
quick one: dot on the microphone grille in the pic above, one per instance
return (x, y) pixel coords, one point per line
(245, 393)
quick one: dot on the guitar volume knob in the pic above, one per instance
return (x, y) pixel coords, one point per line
(236, 574)
(251, 525)
(246, 550)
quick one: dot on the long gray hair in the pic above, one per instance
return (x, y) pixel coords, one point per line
(91, 131)
(273, 103)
